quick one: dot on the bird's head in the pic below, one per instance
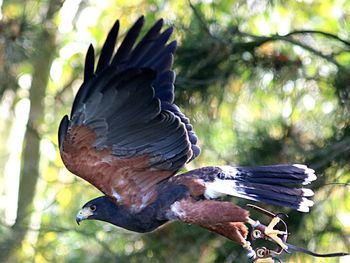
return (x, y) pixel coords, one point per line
(104, 209)
(99, 208)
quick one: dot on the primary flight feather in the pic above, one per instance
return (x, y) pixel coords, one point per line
(126, 137)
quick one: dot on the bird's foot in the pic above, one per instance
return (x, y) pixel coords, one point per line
(270, 233)
(273, 233)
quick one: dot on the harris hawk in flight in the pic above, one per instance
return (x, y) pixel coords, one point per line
(126, 136)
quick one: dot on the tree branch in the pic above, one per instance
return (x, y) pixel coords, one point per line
(326, 34)
(260, 40)
(200, 18)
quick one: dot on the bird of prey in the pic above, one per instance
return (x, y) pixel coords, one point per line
(126, 136)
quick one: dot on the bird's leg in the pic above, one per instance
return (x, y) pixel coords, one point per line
(235, 231)
(269, 230)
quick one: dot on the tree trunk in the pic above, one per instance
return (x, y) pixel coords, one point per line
(41, 63)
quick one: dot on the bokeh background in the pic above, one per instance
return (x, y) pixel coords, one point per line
(262, 81)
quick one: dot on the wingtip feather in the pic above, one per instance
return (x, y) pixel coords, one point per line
(140, 21)
(108, 48)
(89, 63)
(159, 24)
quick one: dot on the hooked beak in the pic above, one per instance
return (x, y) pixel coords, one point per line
(83, 214)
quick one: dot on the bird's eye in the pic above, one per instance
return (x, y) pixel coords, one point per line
(93, 208)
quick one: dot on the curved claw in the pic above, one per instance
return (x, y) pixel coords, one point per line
(264, 260)
(269, 232)
(273, 233)
(260, 231)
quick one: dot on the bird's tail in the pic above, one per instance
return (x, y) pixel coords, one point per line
(274, 184)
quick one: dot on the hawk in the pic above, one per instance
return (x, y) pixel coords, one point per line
(126, 136)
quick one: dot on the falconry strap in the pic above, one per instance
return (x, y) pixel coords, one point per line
(268, 255)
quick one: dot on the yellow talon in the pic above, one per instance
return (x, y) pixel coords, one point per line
(273, 233)
(264, 260)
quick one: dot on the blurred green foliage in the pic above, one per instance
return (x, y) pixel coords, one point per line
(259, 87)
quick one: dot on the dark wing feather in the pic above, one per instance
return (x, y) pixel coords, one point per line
(143, 47)
(89, 64)
(126, 46)
(108, 48)
(125, 134)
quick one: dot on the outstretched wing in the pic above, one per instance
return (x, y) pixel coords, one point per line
(125, 134)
